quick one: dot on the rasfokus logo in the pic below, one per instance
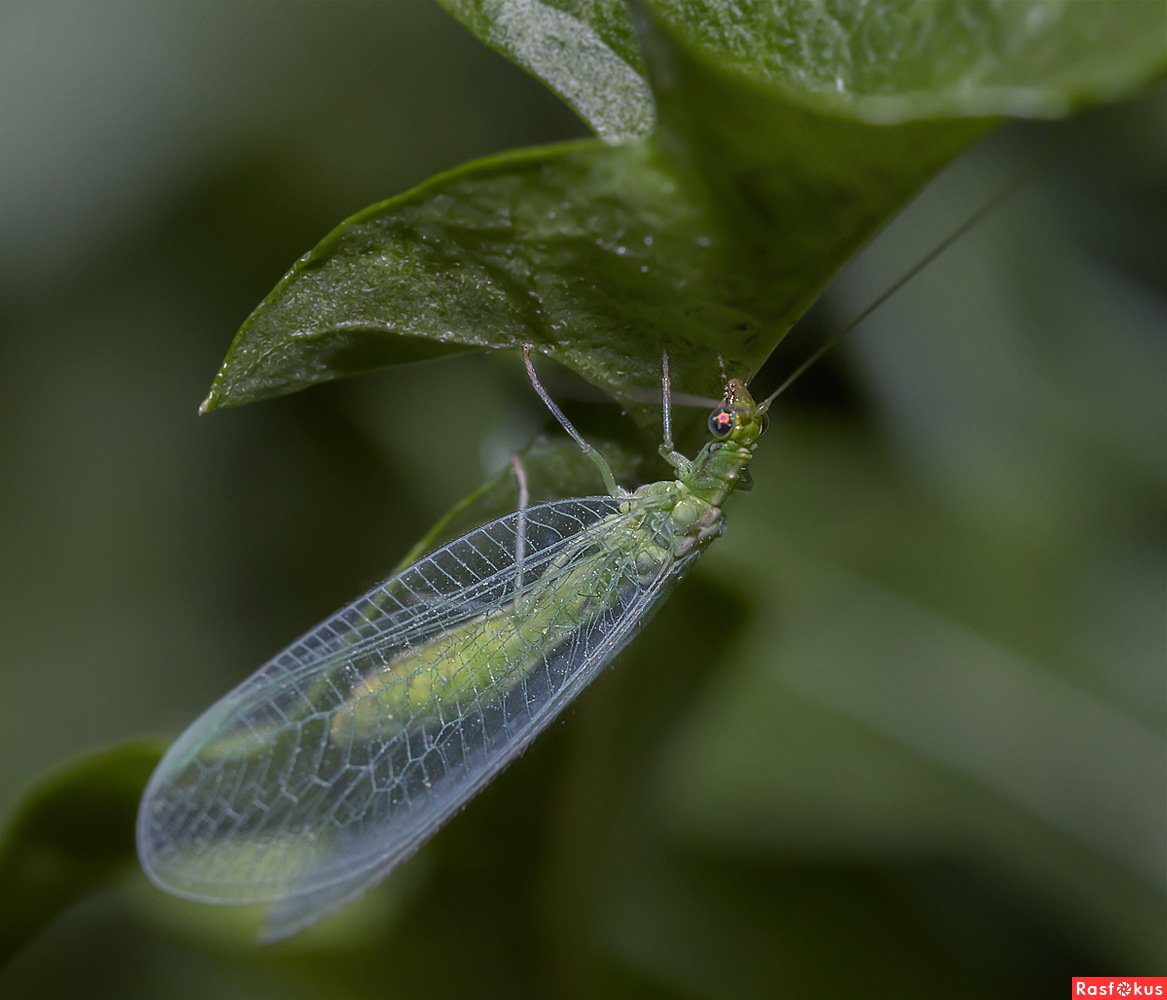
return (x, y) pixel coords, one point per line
(1119, 986)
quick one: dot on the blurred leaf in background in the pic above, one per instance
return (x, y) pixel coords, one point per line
(904, 727)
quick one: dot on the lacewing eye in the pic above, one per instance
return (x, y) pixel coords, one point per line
(721, 422)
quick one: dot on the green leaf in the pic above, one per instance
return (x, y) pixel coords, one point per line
(898, 60)
(545, 246)
(715, 234)
(877, 62)
(584, 50)
(597, 254)
(72, 832)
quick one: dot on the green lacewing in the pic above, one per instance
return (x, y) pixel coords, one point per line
(336, 760)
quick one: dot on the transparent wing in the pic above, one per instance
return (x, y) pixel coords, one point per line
(339, 757)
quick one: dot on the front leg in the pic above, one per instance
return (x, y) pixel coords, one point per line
(679, 462)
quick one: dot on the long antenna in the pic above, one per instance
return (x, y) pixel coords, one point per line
(1001, 195)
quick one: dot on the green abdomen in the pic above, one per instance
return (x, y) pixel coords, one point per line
(479, 661)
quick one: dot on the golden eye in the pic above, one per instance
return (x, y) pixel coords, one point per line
(721, 422)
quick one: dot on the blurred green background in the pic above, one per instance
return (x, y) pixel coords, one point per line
(903, 731)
